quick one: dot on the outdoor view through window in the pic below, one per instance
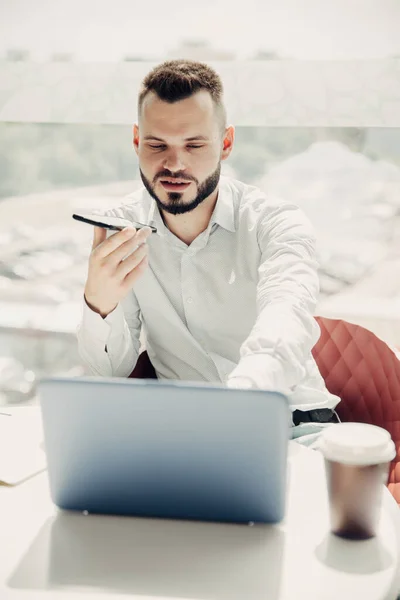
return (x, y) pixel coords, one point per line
(317, 124)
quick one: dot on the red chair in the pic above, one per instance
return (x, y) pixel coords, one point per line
(365, 373)
(359, 368)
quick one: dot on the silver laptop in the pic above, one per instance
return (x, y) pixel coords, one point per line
(165, 449)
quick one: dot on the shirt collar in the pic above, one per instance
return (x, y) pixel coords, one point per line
(155, 218)
(223, 214)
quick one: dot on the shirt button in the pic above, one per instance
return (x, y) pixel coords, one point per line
(189, 300)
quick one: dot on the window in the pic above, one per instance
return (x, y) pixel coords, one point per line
(317, 122)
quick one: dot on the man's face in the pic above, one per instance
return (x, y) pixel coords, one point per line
(180, 147)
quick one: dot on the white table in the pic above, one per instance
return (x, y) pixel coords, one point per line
(48, 554)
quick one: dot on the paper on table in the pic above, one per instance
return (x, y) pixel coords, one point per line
(21, 444)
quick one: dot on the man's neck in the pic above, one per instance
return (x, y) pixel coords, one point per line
(188, 226)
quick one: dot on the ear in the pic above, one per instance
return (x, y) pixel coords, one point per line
(227, 142)
(136, 137)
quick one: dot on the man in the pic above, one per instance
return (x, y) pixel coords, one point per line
(226, 288)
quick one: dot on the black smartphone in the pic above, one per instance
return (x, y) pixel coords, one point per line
(113, 223)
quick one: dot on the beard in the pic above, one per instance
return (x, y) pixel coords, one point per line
(176, 205)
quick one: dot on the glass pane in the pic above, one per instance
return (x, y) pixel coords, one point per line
(346, 179)
(213, 30)
(317, 122)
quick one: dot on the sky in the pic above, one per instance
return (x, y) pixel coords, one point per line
(107, 30)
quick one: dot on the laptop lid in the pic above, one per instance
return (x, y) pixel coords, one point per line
(165, 449)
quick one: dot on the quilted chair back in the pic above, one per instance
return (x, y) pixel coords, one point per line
(365, 373)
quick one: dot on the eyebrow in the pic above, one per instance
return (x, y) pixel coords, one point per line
(189, 139)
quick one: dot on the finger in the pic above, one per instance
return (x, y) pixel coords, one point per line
(130, 279)
(99, 235)
(129, 246)
(114, 241)
(130, 263)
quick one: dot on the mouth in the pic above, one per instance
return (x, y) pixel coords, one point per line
(175, 185)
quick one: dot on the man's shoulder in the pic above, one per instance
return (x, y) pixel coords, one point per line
(258, 210)
(250, 197)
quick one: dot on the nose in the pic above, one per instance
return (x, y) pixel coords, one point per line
(173, 162)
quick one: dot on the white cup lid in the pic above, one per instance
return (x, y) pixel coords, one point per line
(357, 444)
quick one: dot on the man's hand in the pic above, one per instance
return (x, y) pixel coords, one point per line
(112, 273)
(239, 383)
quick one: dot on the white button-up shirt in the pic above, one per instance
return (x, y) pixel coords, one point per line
(235, 306)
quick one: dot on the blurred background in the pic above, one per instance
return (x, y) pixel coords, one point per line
(313, 89)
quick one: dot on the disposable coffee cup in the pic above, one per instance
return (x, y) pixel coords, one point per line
(357, 458)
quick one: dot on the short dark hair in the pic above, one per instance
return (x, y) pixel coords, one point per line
(175, 80)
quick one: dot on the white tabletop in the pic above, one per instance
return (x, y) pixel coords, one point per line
(48, 554)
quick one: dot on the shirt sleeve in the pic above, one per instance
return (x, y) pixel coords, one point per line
(275, 353)
(110, 346)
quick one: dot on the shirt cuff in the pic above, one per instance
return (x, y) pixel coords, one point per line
(99, 328)
(259, 371)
